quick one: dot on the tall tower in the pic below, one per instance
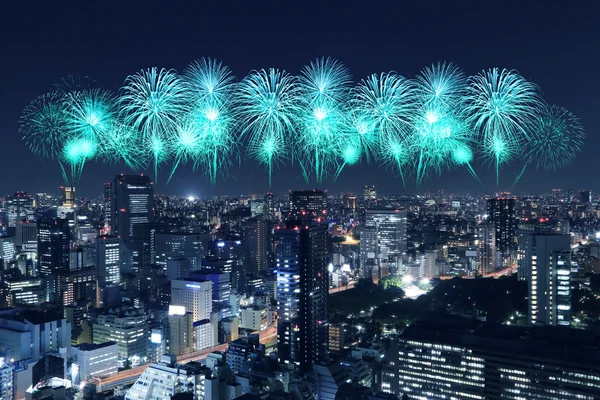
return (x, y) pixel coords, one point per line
(503, 214)
(132, 203)
(269, 204)
(488, 251)
(256, 245)
(302, 290)
(549, 279)
(54, 247)
(108, 252)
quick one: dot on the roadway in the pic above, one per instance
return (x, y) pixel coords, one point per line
(129, 376)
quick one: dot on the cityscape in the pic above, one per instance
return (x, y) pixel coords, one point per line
(393, 201)
(305, 294)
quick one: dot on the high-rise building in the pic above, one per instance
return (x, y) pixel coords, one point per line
(269, 204)
(462, 359)
(54, 248)
(108, 210)
(488, 257)
(108, 253)
(549, 279)
(383, 240)
(503, 214)
(302, 290)
(307, 204)
(132, 203)
(26, 236)
(19, 206)
(181, 334)
(221, 290)
(255, 245)
(195, 296)
(191, 246)
(350, 205)
(585, 196)
(370, 196)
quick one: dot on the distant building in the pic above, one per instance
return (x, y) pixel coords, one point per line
(19, 206)
(194, 296)
(503, 214)
(307, 204)
(488, 257)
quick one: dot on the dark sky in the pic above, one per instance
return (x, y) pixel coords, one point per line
(554, 44)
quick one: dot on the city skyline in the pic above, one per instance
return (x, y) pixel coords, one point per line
(248, 177)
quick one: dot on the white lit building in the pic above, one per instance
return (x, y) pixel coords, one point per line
(6, 381)
(94, 360)
(195, 296)
(254, 318)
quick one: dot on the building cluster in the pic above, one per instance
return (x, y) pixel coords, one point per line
(145, 295)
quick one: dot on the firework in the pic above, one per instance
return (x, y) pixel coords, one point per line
(90, 113)
(268, 107)
(211, 86)
(502, 107)
(43, 127)
(151, 103)
(325, 86)
(558, 137)
(76, 152)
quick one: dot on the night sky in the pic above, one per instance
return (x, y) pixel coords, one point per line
(554, 45)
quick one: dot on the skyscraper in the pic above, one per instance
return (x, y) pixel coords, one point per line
(19, 206)
(549, 279)
(132, 202)
(502, 213)
(302, 290)
(54, 247)
(307, 204)
(255, 245)
(585, 196)
(383, 240)
(370, 196)
(488, 255)
(269, 205)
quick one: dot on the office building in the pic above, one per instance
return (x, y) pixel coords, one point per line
(465, 359)
(25, 291)
(239, 353)
(307, 204)
(19, 206)
(164, 380)
(503, 214)
(549, 279)
(383, 241)
(256, 234)
(195, 296)
(29, 334)
(68, 199)
(26, 233)
(370, 195)
(7, 250)
(95, 360)
(254, 318)
(302, 290)
(177, 246)
(108, 253)
(206, 333)
(221, 290)
(128, 327)
(181, 334)
(132, 203)
(54, 245)
(488, 255)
